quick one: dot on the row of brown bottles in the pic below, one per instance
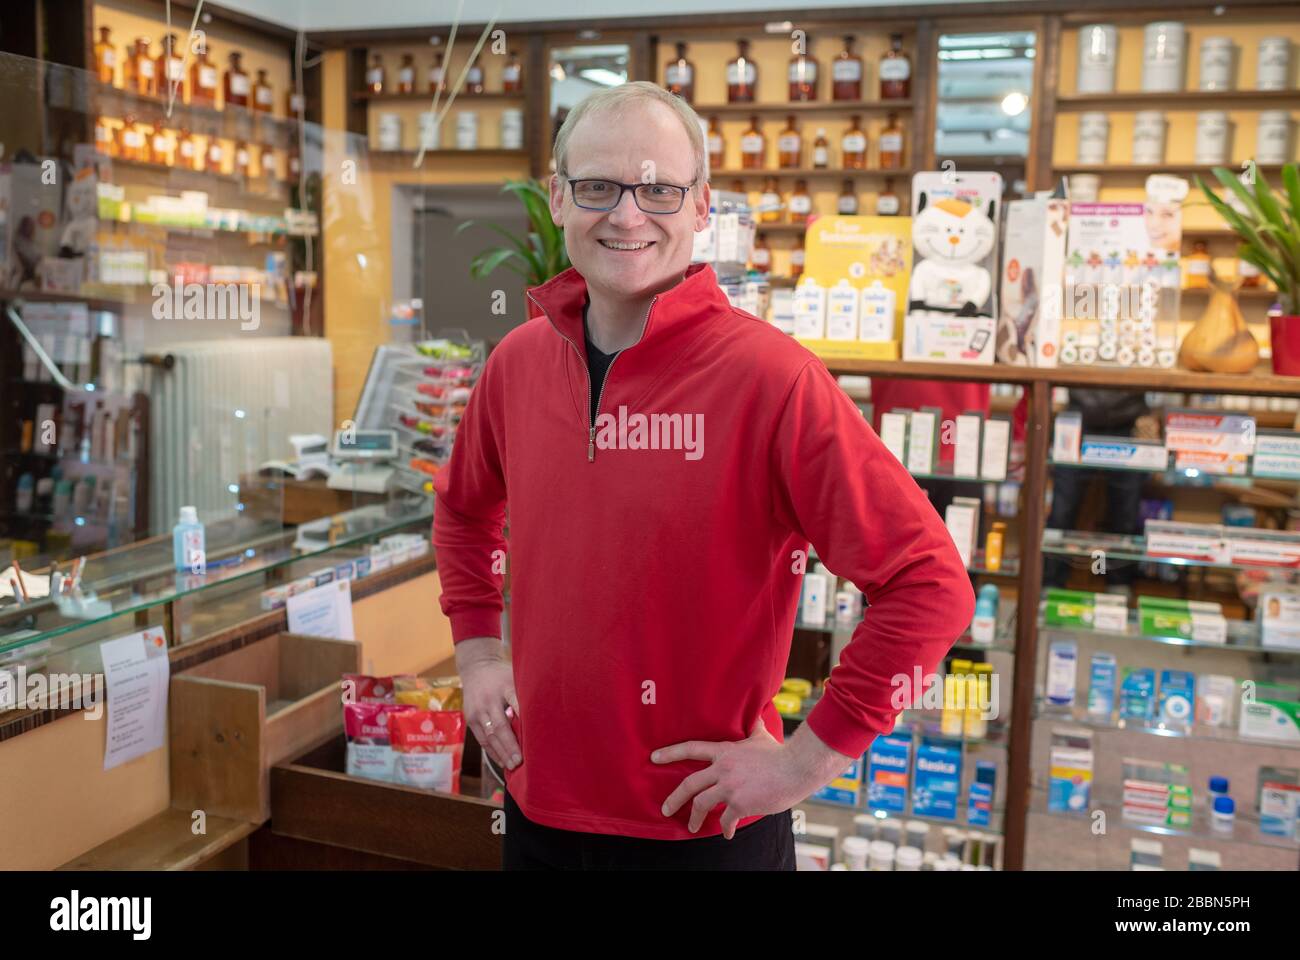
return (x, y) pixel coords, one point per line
(377, 82)
(846, 74)
(179, 149)
(790, 148)
(797, 207)
(150, 76)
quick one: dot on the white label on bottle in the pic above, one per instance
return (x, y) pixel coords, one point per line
(214, 152)
(1247, 269)
(435, 76)
(159, 143)
(296, 103)
(241, 158)
(891, 142)
(133, 138)
(264, 96)
(769, 201)
(821, 157)
(679, 74)
(239, 84)
(855, 142)
(761, 257)
(1198, 266)
(788, 143)
(475, 75)
(374, 76)
(847, 206)
(887, 205)
(751, 143)
(800, 203)
(146, 68)
(406, 76)
(511, 73)
(715, 143)
(734, 76)
(208, 78)
(895, 68)
(109, 58)
(803, 71)
(175, 68)
(846, 71)
(796, 257)
(187, 148)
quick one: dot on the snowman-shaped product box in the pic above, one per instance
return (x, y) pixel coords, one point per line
(952, 303)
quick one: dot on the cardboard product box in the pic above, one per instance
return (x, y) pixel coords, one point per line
(846, 789)
(923, 439)
(1279, 617)
(948, 339)
(1196, 431)
(893, 433)
(1274, 714)
(962, 517)
(936, 780)
(1213, 462)
(1067, 436)
(966, 458)
(1201, 621)
(1124, 452)
(888, 763)
(1262, 547)
(996, 449)
(1031, 282)
(1280, 466)
(1189, 541)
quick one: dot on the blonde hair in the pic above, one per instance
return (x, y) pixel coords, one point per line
(621, 98)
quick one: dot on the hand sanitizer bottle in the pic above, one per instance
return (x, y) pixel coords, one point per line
(187, 543)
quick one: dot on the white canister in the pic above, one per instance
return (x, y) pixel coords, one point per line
(467, 130)
(1084, 187)
(1211, 136)
(1162, 57)
(1273, 136)
(855, 851)
(1149, 137)
(1273, 63)
(907, 858)
(1097, 56)
(881, 855)
(1094, 134)
(1217, 59)
(512, 128)
(430, 131)
(390, 131)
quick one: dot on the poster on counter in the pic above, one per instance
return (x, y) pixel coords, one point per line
(136, 674)
(324, 611)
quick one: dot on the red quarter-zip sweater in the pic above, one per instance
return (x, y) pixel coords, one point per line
(654, 591)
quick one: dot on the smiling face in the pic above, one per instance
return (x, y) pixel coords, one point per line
(625, 254)
(953, 231)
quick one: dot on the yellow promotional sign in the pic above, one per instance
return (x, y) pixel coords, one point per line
(863, 252)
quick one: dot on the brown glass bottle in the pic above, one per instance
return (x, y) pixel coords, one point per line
(887, 204)
(679, 76)
(800, 203)
(170, 68)
(132, 144)
(853, 146)
(803, 76)
(294, 102)
(105, 139)
(106, 58)
(295, 163)
(187, 151)
(797, 258)
(214, 158)
(789, 146)
(162, 148)
(375, 78)
(717, 147)
(266, 166)
(891, 144)
(512, 74)
(237, 88)
(760, 257)
(738, 186)
(847, 203)
(263, 95)
(141, 72)
(437, 74)
(203, 80)
(846, 73)
(742, 75)
(821, 151)
(243, 159)
(770, 201)
(406, 74)
(474, 79)
(895, 71)
(753, 147)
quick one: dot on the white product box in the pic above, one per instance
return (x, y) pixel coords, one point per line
(1212, 461)
(1031, 282)
(1209, 432)
(1215, 694)
(1282, 443)
(810, 311)
(1279, 617)
(876, 316)
(1263, 547)
(782, 310)
(922, 430)
(1190, 541)
(966, 458)
(1067, 437)
(893, 433)
(1124, 452)
(1275, 465)
(813, 609)
(1109, 612)
(948, 339)
(842, 312)
(1279, 809)
(962, 519)
(997, 445)
(728, 240)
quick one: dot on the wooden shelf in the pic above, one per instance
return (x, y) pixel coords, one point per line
(447, 152)
(200, 176)
(796, 229)
(1245, 293)
(1191, 99)
(365, 96)
(807, 172)
(1149, 168)
(164, 842)
(1261, 382)
(42, 296)
(813, 106)
(144, 106)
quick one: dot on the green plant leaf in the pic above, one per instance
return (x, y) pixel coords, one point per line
(489, 260)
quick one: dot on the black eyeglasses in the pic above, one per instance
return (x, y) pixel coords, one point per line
(657, 198)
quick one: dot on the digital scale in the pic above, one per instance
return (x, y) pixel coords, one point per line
(362, 460)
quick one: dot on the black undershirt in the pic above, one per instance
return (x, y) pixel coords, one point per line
(597, 364)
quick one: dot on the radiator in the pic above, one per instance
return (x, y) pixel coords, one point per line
(225, 408)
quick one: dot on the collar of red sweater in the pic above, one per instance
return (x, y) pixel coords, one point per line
(676, 318)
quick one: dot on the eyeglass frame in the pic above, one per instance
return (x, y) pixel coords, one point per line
(624, 188)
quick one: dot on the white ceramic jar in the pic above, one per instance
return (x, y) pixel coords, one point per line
(1163, 49)
(1273, 136)
(1094, 135)
(1097, 57)
(390, 131)
(1084, 187)
(430, 131)
(1273, 63)
(1149, 137)
(512, 128)
(1217, 58)
(1212, 136)
(467, 130)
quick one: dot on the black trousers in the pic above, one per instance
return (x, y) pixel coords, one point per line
(766, 844)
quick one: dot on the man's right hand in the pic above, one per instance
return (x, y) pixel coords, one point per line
(488, 683)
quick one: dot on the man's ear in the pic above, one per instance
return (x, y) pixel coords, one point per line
(702, 201)
(557, 200)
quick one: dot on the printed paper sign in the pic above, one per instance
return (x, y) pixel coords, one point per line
(136, 674)
(324, 611)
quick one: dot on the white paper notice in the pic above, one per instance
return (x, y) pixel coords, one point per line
(324, 611)
(136, 673)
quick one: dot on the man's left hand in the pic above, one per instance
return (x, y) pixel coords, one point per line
(753, 777)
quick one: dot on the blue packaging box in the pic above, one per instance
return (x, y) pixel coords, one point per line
(888, 761)
(1101, 685)
(1177, 696)
(1137, 694)
(936, 781)
(846, 789)
(979, 803)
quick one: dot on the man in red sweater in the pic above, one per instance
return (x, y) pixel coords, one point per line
(666, 460)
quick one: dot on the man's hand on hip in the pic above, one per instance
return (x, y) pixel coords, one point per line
(488, 682)
(752, 777)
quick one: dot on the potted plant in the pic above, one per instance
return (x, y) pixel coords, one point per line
(1268, 225)
(536, 257)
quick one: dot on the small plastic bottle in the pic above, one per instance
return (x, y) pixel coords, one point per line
(1218, 788)
(188, 548)
(1224, 816)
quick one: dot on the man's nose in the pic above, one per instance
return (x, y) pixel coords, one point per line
(627, 213)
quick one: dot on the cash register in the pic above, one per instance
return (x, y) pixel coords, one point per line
(363, 460)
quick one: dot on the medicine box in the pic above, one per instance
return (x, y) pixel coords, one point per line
(1261, 547)
(846, 789)
(1067, 437)
(1279, 617)
(1069, 781)
(1273, 714)
(923, 440)
(979, 800)
(888, 762)
(1137, 694)
(1177, 696)
(1190, 541)
(1124, 452)
(1101, 685)
(1198, 620)
(966, 457)
(936, 781)
(1197, 431)
(1279, 809)
(948, 339)
(893, 433)
(996, 448)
